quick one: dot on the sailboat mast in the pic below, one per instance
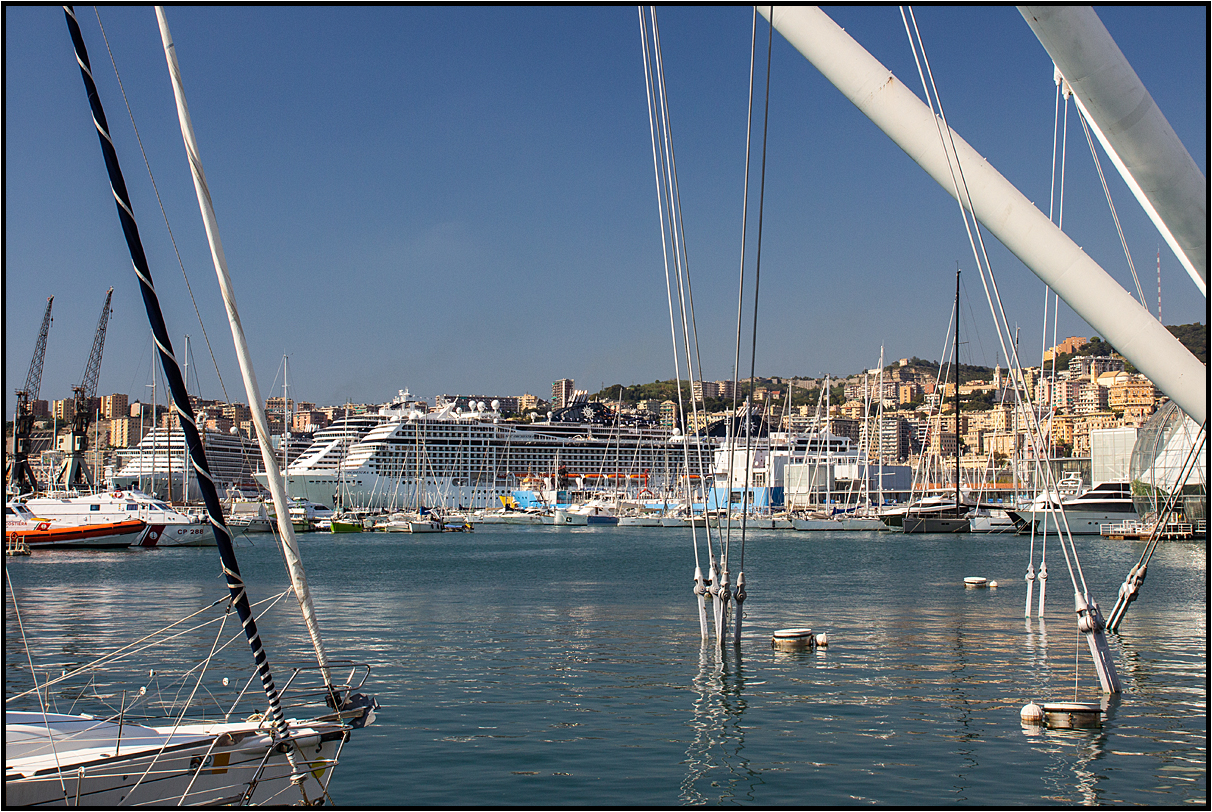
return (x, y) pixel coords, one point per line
(957, 392)
(273, 475)
(176, 384)
(879, 427)
(185, 460)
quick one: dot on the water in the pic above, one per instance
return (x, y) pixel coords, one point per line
(558, 666)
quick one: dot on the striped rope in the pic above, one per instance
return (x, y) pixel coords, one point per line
(176, 383)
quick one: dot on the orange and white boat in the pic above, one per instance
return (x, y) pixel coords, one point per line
(44, 534)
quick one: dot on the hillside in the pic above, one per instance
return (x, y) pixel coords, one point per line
(1194, 337)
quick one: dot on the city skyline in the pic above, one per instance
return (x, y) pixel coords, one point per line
(462, 199)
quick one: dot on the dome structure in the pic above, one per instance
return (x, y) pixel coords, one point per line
(1161, 449)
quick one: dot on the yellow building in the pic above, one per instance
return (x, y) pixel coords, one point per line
(1135, 391)
(1069, 345)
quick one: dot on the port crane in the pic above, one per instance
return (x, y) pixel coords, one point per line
(19, 477)
(73, 472)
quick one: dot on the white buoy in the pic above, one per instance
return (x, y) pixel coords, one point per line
(1032, 715)
(993, 584)
(791, 639)
(822, 639)
(974, 581)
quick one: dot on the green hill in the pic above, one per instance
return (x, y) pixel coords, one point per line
(1194, 337)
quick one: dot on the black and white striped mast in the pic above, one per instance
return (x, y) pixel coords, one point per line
(176, 384)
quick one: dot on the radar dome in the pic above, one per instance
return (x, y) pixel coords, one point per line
(496, 405)
(234, 430)
(481, 406)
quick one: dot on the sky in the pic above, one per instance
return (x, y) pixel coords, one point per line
(461, 200)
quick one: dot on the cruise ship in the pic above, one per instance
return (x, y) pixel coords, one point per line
(474, 458)
(158, 464)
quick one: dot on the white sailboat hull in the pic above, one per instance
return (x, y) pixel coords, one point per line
(817, 524)
(89, 765)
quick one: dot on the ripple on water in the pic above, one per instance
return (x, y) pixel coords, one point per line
(540, 667)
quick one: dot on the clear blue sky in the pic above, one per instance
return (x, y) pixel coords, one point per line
(462, 200)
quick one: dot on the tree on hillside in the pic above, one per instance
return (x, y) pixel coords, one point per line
(1194, 337)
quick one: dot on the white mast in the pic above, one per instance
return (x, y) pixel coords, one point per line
(273, 475)
(879, 423)
(999, 206)
(185, 452)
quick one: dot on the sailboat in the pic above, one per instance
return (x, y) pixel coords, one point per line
(941, 516)
(266, 758)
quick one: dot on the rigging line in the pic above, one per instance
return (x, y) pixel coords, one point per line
(1180, 482)
(938, 379)
(1003, 323)
(973, 331)
(653, 112)
(172, 238)
(677, 242)
(181, 717)
(1107, 192)
(740, 296)
(757, 272)
(1051, 199)
(34, 676)
(163, 213)
(984, 252)
(676, 204)
(123, 651)
(954, 169)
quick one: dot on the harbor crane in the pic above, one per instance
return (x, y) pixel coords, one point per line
(73, 472)
(19, 477)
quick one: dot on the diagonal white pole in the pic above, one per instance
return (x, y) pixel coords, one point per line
(277, 487)
(999, 206)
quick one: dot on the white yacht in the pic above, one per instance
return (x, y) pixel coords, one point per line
(1085, 513)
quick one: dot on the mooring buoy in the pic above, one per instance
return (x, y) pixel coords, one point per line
(791, 639)
(1072, 714)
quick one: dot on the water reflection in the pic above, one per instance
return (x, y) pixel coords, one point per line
(717, 767)
(1070, 776)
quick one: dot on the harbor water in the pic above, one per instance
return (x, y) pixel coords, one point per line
(558, 666)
